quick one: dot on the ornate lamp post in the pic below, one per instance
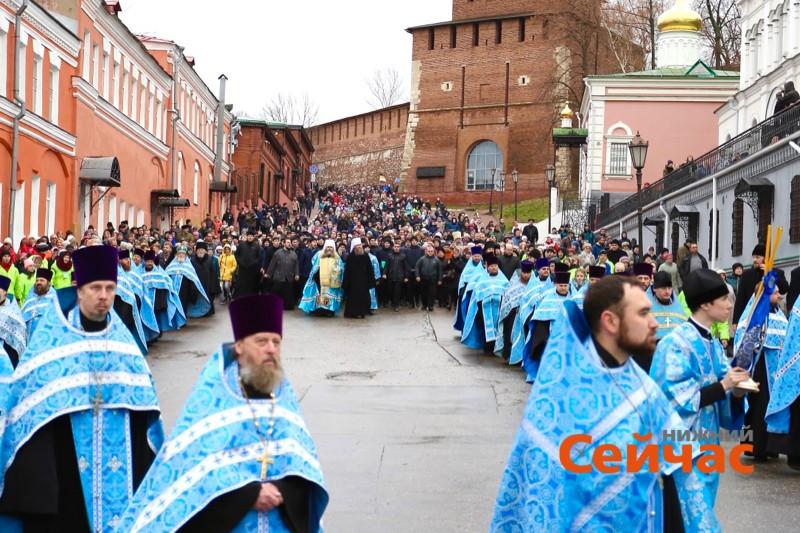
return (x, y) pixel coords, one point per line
(491, 191)
(638, 150)
(502, 190)
(515, 178)
(550, 173)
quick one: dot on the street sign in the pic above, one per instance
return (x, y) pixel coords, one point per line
(313, 178)
(313, 169)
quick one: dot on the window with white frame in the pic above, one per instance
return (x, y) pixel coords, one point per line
(3, 53)
(125, 91)
(484, 160)
(115, 84)
(131, 214)
(50, 209)
(21, 68)
(86, 65)
(96, 67)
(134, 95)
(618, 159)
(36, 84)
(34, 218)
(196, 183)
(104, 74)
(142, 103)
(55, 79)
(122, 210)
(179, 184)
(19, 214)
(112, 211)
(101, 211)
(150, 113)
(140, 218)
(159, 112)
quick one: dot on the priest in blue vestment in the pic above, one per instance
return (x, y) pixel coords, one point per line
(159, 289)
(472, 270)
(547, 309)
(240, 457)
(667, 309)
(588, 385)
(783, 411)
(13, 330)
(480, 323)
(194, 301)
(323, 292)
(82, 421)
(132, 279)
(519, 333)
(40, 300)
(691, 368)
(771, 338)
(519, 287)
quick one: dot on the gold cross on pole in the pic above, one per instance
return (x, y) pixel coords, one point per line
(266, 460)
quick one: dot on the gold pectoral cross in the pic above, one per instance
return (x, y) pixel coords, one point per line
(97, 401)
(266, 460)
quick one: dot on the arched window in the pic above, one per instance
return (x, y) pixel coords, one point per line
(196, 183)
(484, 157)
(179, 181)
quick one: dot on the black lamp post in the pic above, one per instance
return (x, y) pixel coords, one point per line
(515, 178)
(638, 150)
(491, 191)
(550, 173)
(502, 190)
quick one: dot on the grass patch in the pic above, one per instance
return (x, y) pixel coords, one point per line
(535, 209)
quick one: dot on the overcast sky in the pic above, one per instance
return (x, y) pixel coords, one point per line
(322, 47)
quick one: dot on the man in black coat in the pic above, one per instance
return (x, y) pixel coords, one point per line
(751, 278)
(248, 271)
(396, 272)
(359, 278)
(206, 273)
(794, 289)
(531, 232)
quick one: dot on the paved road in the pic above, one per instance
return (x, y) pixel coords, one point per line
(413, 429)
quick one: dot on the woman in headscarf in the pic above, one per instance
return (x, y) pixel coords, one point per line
(322, 294)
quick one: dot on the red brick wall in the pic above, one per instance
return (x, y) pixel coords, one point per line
(471, 9)
(361, 148)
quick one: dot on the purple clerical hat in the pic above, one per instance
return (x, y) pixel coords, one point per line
(562, 277)
(642, 269)
(5, 283)
(259, 313)
(95, 263)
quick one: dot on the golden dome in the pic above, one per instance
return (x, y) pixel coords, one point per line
(680, 17)
(567, 112)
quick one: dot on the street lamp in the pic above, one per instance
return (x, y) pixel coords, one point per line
(502, 191)
(491, 191)
(515, 178)
(550, 173)
(638, 149)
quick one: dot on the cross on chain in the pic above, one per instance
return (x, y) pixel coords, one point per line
(266, 460)
(97, 401)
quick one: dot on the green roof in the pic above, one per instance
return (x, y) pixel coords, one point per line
(698, 70)
(570, 132)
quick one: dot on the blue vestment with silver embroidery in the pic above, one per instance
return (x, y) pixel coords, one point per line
(486, 296)
(668, 316)
(471, 272)
(215, 449)
(548, 307)
(580, 295)
(373, 295)
(308, 302)
(684, 363)
(177, 271)
(146, 311)
(515, 294)
(8, 524)
(172, 318)
(519, 333)
(127, 294)
(784, 388)
(13, 329)
(36, 306)
(97, 379)
(575, 393)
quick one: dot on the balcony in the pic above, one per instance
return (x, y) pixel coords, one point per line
(741, 147)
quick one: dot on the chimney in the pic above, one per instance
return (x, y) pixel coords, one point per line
(189, 60)
(113, 7)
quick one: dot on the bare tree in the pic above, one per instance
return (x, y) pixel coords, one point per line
(633, 22)
(385, 87)
(290, 109)
(722, 31)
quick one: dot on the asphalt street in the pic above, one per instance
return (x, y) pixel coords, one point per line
(413, 428)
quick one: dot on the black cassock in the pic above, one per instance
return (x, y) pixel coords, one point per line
(205, 273)
(224, 512)
(359, 278)
(125, 312)
(43, 486)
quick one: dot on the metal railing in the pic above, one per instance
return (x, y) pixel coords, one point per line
(740, 147)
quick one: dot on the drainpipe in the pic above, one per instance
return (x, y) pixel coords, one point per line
(714, 222)
(666, 225)
(218, 152)
(16, 121)
(177, 56)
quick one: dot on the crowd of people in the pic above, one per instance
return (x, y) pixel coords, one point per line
(626, 322)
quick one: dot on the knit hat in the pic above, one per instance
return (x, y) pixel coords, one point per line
(703, 286)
